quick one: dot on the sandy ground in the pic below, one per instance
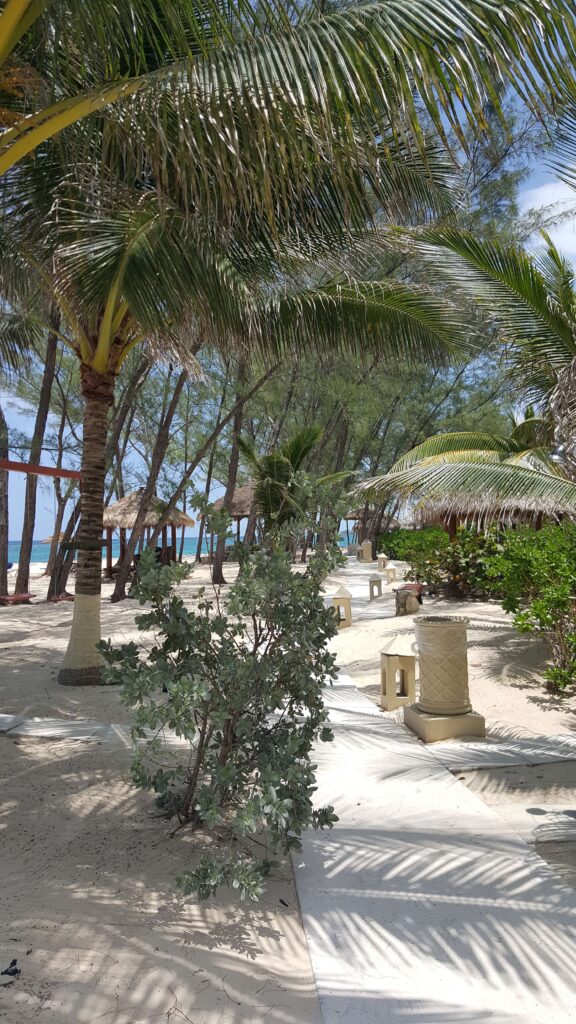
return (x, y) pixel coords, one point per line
(90, 909)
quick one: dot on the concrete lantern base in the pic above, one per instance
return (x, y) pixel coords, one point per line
(432, 728)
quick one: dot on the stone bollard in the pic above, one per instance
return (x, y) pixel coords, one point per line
(443, 710)
(382, 562)
(375, 586)
(342, 602)
(397, 674)
(365, 552)
(390, 572)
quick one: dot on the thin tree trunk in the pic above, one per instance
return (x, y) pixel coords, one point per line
(205, 448)
(61, 502)
(3, 506)
(217, 573)
(210, 468)
(207, 486)
(23, 575)
(82, 663)
(64, 557)
(160, 448)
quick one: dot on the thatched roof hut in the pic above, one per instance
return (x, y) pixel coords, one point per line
(122, 514)
(482, 511)
(241, 504)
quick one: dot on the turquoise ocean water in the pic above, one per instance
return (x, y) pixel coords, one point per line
(40, 552)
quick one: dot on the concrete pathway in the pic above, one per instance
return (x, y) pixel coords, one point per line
(423, 906)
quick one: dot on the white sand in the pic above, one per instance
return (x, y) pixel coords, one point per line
(88, 869)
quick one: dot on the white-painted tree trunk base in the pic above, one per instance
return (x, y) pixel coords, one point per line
(82, 662)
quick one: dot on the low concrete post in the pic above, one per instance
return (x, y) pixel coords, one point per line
(382, 562)
(375, 586)
(397, 674)
(342, 601)
(443, 710)
(365, 552)
(390, 571)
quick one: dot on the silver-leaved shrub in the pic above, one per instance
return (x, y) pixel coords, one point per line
(242, 685)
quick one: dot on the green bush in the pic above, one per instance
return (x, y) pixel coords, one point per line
(468, 561)
(534, 576)
(243, 686)
(425, 551)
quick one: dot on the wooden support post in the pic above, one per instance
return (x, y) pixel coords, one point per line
(109, 552)
(173, 542)
(164, 555)
(238, 529)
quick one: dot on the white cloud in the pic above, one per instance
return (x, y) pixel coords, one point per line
(563, 200)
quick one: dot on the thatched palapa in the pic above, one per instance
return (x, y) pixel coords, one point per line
(481, 511)
(241, 505)
(122, 514)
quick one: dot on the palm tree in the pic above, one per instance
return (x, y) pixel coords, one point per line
(279, 495)
(249, 99)
(531, 302)
(125, 270)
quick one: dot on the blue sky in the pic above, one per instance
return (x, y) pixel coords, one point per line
(540, 190)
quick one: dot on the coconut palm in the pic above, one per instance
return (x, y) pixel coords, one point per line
(279, 496)
(250, 99)
(127, 269)
(530, 300)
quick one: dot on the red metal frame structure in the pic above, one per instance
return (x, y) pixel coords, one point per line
(25, 467)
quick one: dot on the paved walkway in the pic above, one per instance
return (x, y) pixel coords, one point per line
(423, 906)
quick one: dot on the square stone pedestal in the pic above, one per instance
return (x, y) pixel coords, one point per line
(432, 728)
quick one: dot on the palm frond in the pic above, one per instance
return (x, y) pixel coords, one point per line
(299, 446)
(510, 286)
(498, 485)
(241, 104)
(457, 444)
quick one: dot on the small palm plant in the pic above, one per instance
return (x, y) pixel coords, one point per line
(280, 492)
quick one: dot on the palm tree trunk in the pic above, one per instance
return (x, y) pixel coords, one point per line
(23, 576)
(82, 663)
(3, 506)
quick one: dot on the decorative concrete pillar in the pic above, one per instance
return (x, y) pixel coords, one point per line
(365, 552)
(443, 710)
(397, 674)
(390, 571)
(375, 586)
(382, 562)
(342, 602)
